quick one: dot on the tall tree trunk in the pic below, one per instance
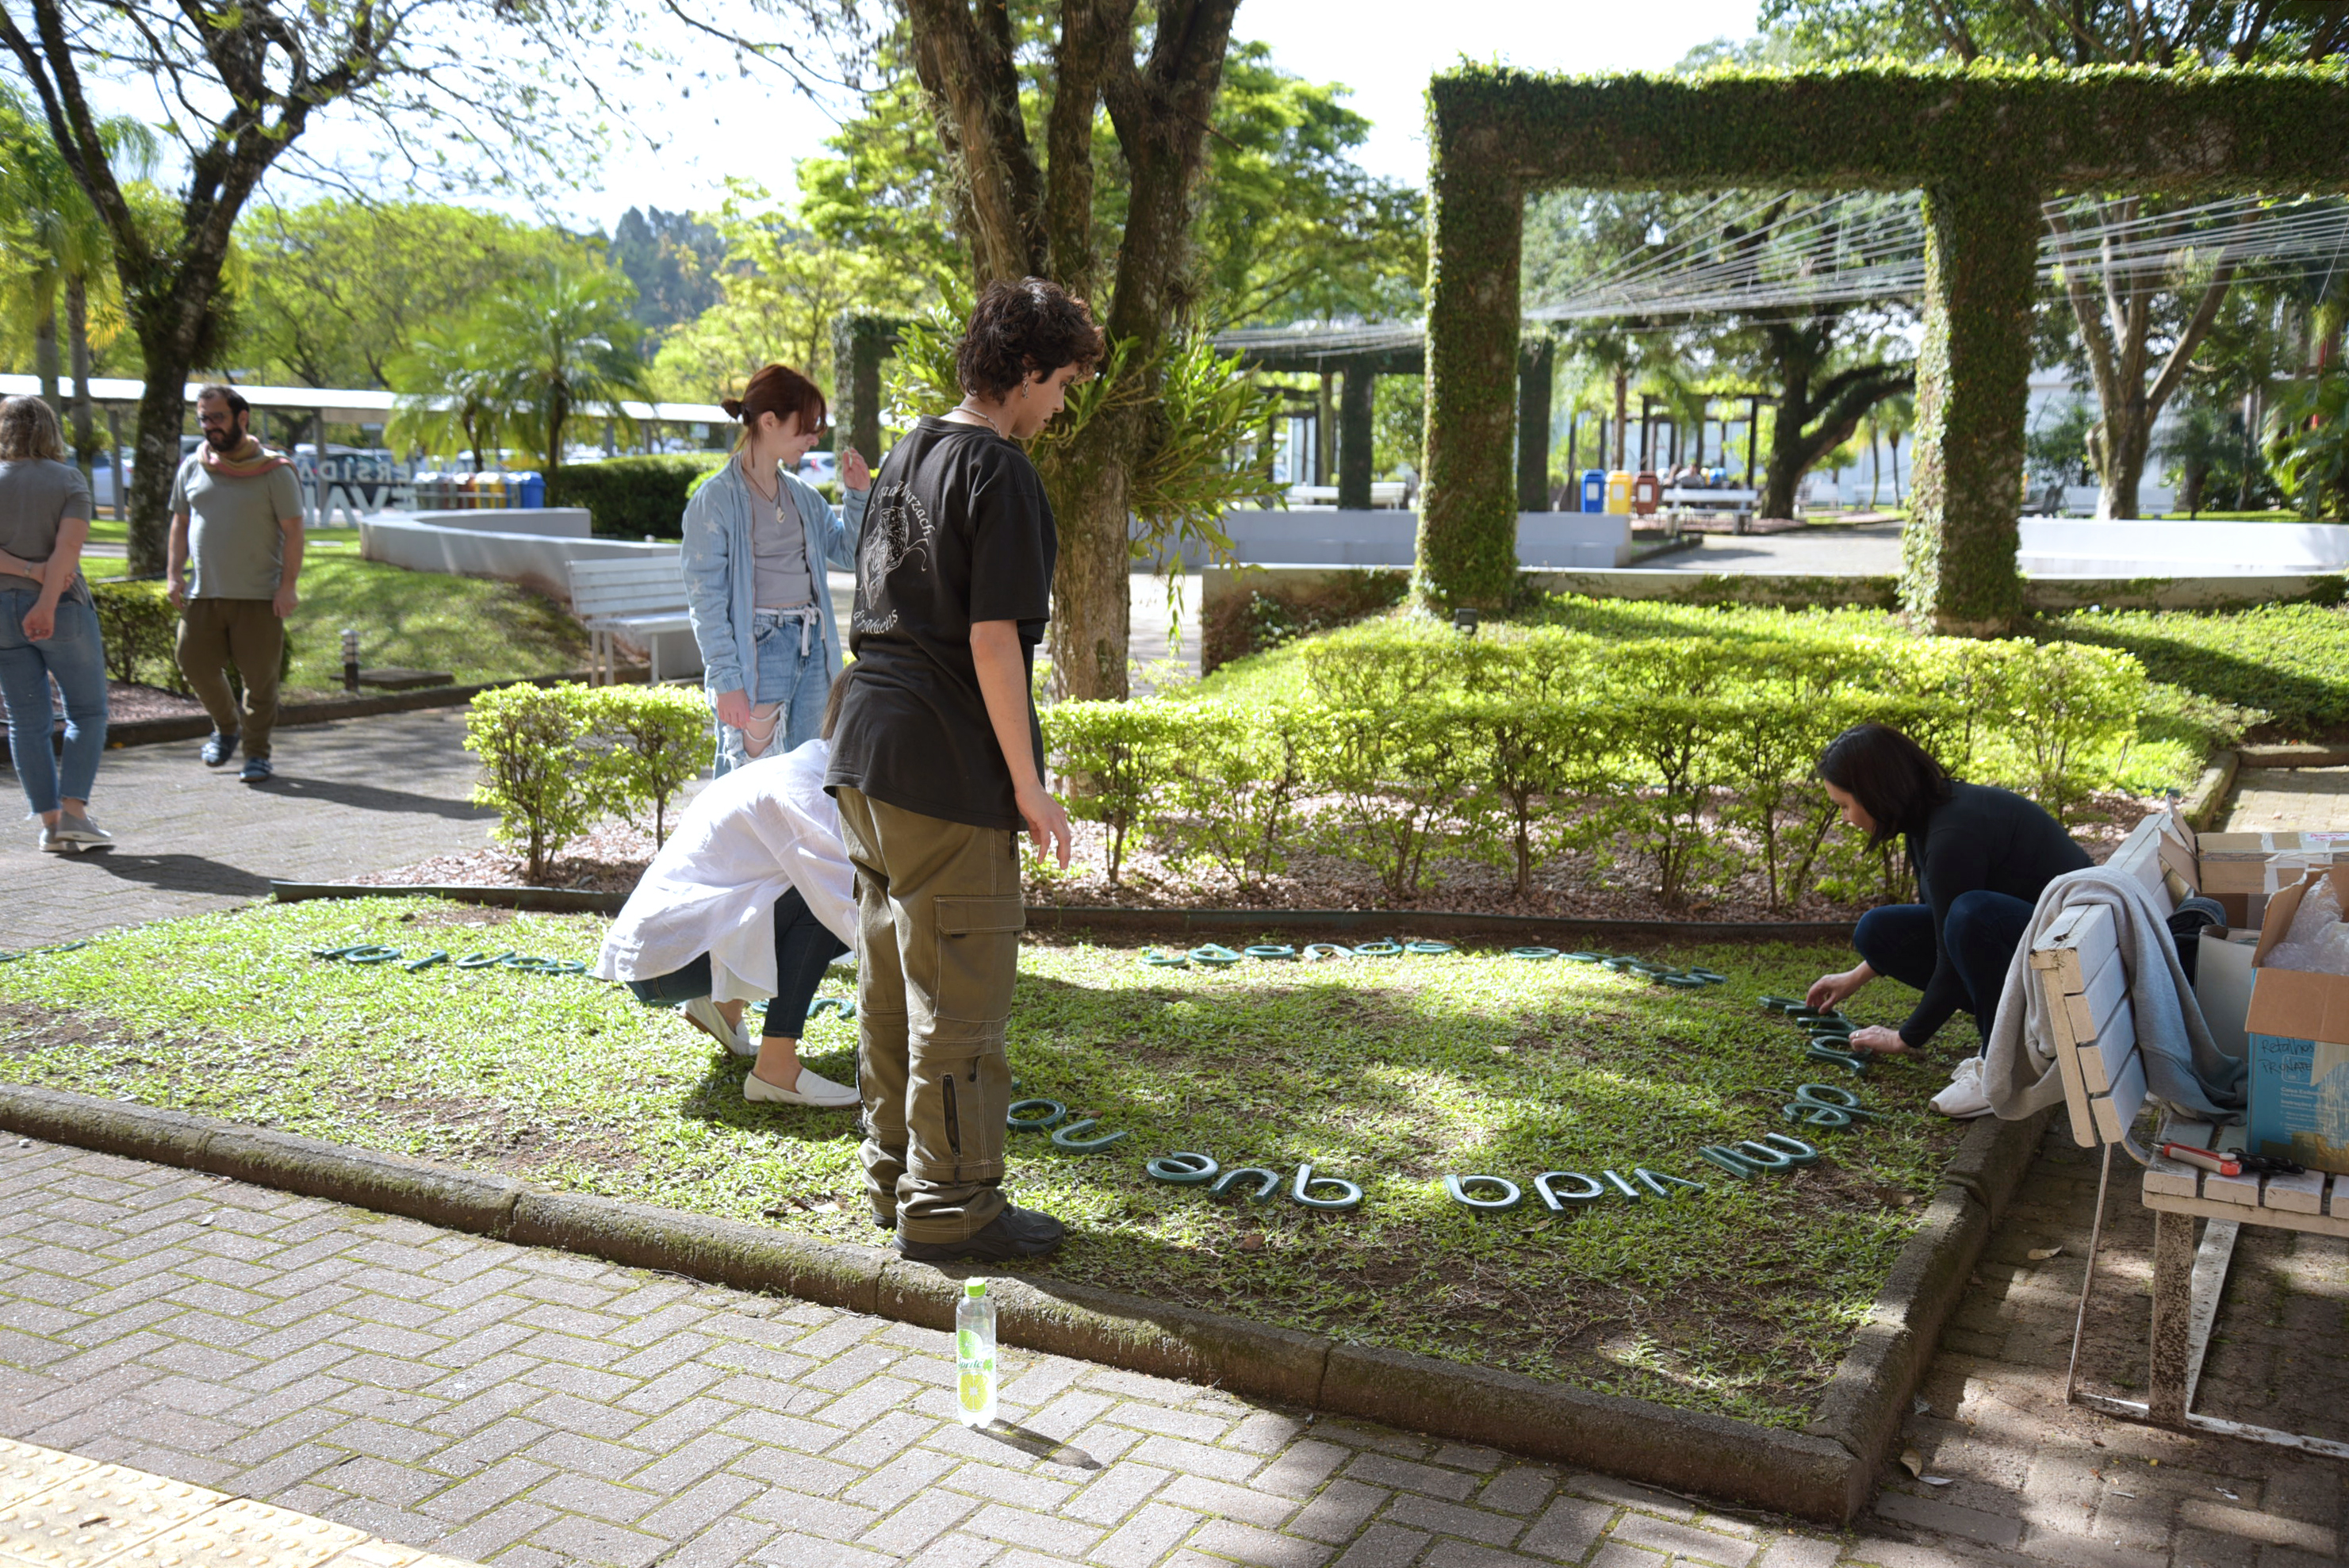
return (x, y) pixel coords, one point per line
(85, 428)
(155, 446)
(1786, 462)
(2116, 328)
(44, 348)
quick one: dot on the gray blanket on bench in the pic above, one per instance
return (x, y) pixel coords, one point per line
(2183, 1065)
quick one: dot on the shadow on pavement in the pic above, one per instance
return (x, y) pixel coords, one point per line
(373, 797)
(179, 873)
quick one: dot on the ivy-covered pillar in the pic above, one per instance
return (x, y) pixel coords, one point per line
(1468, 507)
(1535, 362)
(1973, 373)
(1356, 431)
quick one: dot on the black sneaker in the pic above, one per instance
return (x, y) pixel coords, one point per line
(256, 771)
(1014, 1233)
(219, 749)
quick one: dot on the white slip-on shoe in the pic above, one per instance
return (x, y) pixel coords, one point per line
(703, 1014)
(56, 843)
(1964, 1099)
(813, 1089)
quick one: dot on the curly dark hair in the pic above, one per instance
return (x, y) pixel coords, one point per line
(1020, 328)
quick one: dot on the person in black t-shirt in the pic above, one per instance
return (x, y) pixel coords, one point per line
(937, 763)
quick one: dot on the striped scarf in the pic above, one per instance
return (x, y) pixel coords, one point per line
(249, 460)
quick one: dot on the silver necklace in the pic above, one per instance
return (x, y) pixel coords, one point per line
(964, 407)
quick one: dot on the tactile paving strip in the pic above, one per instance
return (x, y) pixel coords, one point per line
(89, 1517)
(242, 1534)
(26, 1472)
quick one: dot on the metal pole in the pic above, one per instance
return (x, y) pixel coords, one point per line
(1622, 384)
(2088, 1278)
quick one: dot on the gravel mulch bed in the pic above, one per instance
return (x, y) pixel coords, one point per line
(612, 856)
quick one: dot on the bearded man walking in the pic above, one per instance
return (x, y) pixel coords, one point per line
(245, 541)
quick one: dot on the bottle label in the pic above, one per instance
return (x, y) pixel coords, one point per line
(975, 1363)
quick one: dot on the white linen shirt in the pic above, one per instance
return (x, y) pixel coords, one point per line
(745, 840)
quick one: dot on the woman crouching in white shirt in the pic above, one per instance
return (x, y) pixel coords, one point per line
(752, 896)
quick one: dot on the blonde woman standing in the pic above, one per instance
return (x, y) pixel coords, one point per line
(49, 625)
(756, 542)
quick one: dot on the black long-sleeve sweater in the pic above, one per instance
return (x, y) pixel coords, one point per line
(1980, 839)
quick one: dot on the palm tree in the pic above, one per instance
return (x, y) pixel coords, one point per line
(60, 249)
(453, 396)
(565, 343)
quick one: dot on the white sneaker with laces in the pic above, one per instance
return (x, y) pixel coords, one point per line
(812, 1089)
(703, 1014)
(81, 829)
(1964, 1099)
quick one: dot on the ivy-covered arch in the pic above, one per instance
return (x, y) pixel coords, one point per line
(1985, 144)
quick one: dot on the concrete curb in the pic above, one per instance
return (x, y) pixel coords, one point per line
(1824, 1473)
(1081, 917)
(2207, 798)
(2295, 757)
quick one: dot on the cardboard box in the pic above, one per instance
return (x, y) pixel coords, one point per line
(2298, 1031)
(2223, 984)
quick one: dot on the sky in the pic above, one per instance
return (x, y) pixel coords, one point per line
(1384, 49)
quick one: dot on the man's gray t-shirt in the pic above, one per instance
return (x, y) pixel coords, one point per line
(233, 538)
(36, 495)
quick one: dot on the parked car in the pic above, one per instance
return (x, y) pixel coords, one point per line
(818, 466)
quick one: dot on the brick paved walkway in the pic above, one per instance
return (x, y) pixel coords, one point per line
(2270, 798)
(358, 796)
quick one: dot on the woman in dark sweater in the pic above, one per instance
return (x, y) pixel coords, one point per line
(1982, 857)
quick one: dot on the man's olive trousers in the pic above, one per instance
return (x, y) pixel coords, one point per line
(940, 915)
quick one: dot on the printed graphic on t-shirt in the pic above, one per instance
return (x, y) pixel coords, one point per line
(897, 534)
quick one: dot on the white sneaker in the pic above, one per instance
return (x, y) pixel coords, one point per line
(1964, 1097)
(812, 1089)
(703, 1014)
(81, 829)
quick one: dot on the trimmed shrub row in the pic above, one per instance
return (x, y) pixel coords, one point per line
(141, 633)
(630, 497)
(1691, 756)
(557, 759)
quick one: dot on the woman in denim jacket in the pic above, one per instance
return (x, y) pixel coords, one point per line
(757, 539)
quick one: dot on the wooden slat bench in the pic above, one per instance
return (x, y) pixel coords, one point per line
(2076, 962)
(639, 601)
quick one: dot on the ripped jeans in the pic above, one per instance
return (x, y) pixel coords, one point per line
(787, 689)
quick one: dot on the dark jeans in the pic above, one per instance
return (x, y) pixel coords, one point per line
(803, 947)
(1984, 928)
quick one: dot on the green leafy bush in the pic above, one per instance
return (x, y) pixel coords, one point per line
(142, 632)
(648, 740)
(534, 770)
(1688, 758)
(630, 497)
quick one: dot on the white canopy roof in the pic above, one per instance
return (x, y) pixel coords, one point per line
(343, 405)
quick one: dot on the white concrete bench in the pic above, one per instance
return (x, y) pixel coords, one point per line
(640, 601)
(2078, 964)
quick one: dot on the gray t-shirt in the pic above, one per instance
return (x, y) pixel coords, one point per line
(778, 566)
(233, 539)
(36, 495)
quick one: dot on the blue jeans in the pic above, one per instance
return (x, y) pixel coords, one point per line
(803, 947)
(795, 680)
(75, 655)
(1984, 928)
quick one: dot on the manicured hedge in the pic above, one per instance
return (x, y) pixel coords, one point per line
(629, 497)
(1688, 759)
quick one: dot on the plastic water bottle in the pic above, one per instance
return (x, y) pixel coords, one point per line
(975, 1355)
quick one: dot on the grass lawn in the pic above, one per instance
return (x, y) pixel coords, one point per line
(476, 630)
(1389, 1072)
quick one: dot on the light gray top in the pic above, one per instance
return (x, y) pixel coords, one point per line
(778, 554)
(36, 495)
(234, 535)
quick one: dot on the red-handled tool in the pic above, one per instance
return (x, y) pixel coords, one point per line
(2208, 1159)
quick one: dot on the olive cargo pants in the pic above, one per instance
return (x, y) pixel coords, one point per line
(249, 634)
(940, 914)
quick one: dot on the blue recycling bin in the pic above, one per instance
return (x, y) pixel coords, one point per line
(527, 489)
(1594, 490)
